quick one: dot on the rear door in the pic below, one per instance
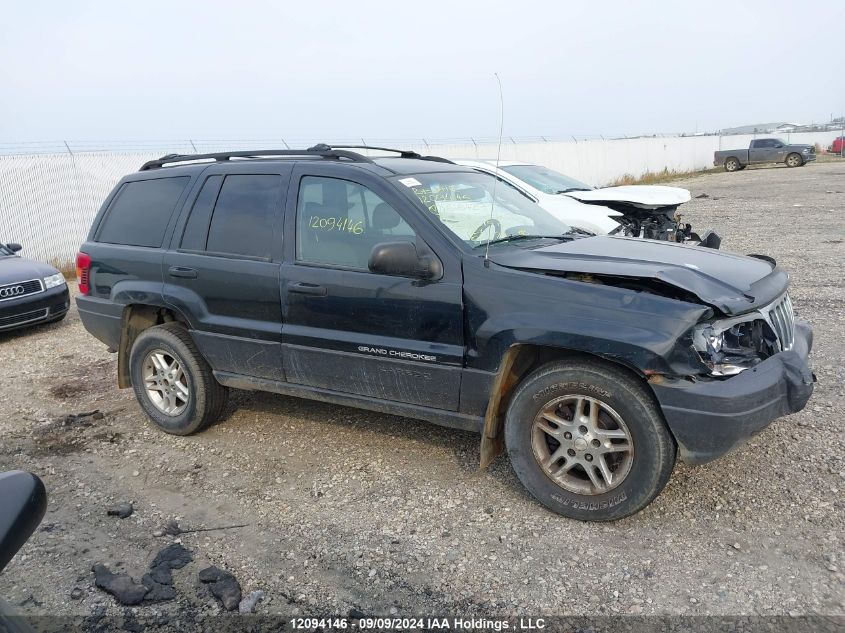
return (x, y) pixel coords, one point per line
(222, 271)
(759, 151)
(352, 331)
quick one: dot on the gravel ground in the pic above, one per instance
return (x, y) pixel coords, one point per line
(350, 509)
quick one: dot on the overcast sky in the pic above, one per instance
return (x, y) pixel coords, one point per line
(358, 69)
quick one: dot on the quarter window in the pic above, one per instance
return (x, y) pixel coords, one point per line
(243, 217)
(141, 211)
(338, 222)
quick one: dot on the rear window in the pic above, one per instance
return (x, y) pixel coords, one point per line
(243, 218)
(141, 211)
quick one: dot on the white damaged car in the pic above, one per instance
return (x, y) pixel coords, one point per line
(647, 211)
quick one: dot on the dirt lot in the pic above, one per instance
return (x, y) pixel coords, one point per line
(349, 509)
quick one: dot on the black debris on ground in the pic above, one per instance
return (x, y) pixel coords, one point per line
(159, 580)
(224, 586)
(155, 586)
(121, 510)
(125, 590)
(175, 556)
(156, 591)
(209, 574)
(702, 195)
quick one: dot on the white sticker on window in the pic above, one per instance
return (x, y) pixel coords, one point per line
(410, 182)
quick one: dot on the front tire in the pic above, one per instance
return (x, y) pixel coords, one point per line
(173, 383)
(794, 160)
(588, 441)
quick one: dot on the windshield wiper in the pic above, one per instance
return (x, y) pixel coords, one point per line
(513, 238)
(572, 189)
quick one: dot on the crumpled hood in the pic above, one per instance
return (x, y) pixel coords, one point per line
(732, 283)
(15, 269)
(641, 196)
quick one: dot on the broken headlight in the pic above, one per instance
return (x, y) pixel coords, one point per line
(730, 346)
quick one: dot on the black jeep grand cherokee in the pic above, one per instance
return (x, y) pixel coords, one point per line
(414, 286)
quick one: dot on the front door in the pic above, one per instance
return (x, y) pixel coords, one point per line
(352, 331)
(221, 273)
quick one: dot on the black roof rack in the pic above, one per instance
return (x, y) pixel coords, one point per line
(403, 153)
(320, 150)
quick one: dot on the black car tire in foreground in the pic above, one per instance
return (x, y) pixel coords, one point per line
(413, 286)
(548, 439)
(30, 292)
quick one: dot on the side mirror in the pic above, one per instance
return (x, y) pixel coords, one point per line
(23, 502)
(402, 260)
(14, 247)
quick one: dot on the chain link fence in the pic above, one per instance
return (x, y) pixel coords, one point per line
(50, 192)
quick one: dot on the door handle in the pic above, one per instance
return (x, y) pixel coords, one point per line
(181, 271)
(308, 289)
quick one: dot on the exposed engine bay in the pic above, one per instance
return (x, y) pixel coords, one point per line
(661, 223)
(649, 212)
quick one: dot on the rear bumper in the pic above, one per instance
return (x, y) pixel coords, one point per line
(102, 318)
(709, 418)
(34, 309)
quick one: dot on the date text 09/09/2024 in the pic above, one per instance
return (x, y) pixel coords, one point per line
(418, 623)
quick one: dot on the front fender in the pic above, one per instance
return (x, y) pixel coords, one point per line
(647, 332)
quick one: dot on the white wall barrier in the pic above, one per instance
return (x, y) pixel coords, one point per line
(47, 201)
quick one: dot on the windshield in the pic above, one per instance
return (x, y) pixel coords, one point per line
(462, 202)
(545, 179)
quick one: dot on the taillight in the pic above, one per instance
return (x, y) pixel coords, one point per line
(83, 269)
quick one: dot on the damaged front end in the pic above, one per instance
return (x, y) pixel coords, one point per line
(730, 346)
(758, 371)
(662, 223)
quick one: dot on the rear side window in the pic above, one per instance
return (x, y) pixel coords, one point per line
(141, 211)
(196, 230)
(243, 218)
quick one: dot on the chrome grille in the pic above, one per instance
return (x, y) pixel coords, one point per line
(20, 289)
(781, 317)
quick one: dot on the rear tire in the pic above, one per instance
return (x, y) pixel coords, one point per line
(732, 164)
(794, 160)
(630, 471)
(173, 383)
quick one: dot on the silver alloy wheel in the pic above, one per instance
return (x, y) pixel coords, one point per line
(732, 164)
(165, 382)
(582, 444)
(793, 160)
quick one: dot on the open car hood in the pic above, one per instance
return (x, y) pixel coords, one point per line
(734, 284)
(641, 196)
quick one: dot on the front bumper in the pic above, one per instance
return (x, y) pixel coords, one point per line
(808, 157)
(709, 418)
(33, 309)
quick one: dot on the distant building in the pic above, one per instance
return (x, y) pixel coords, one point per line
(763, 128)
